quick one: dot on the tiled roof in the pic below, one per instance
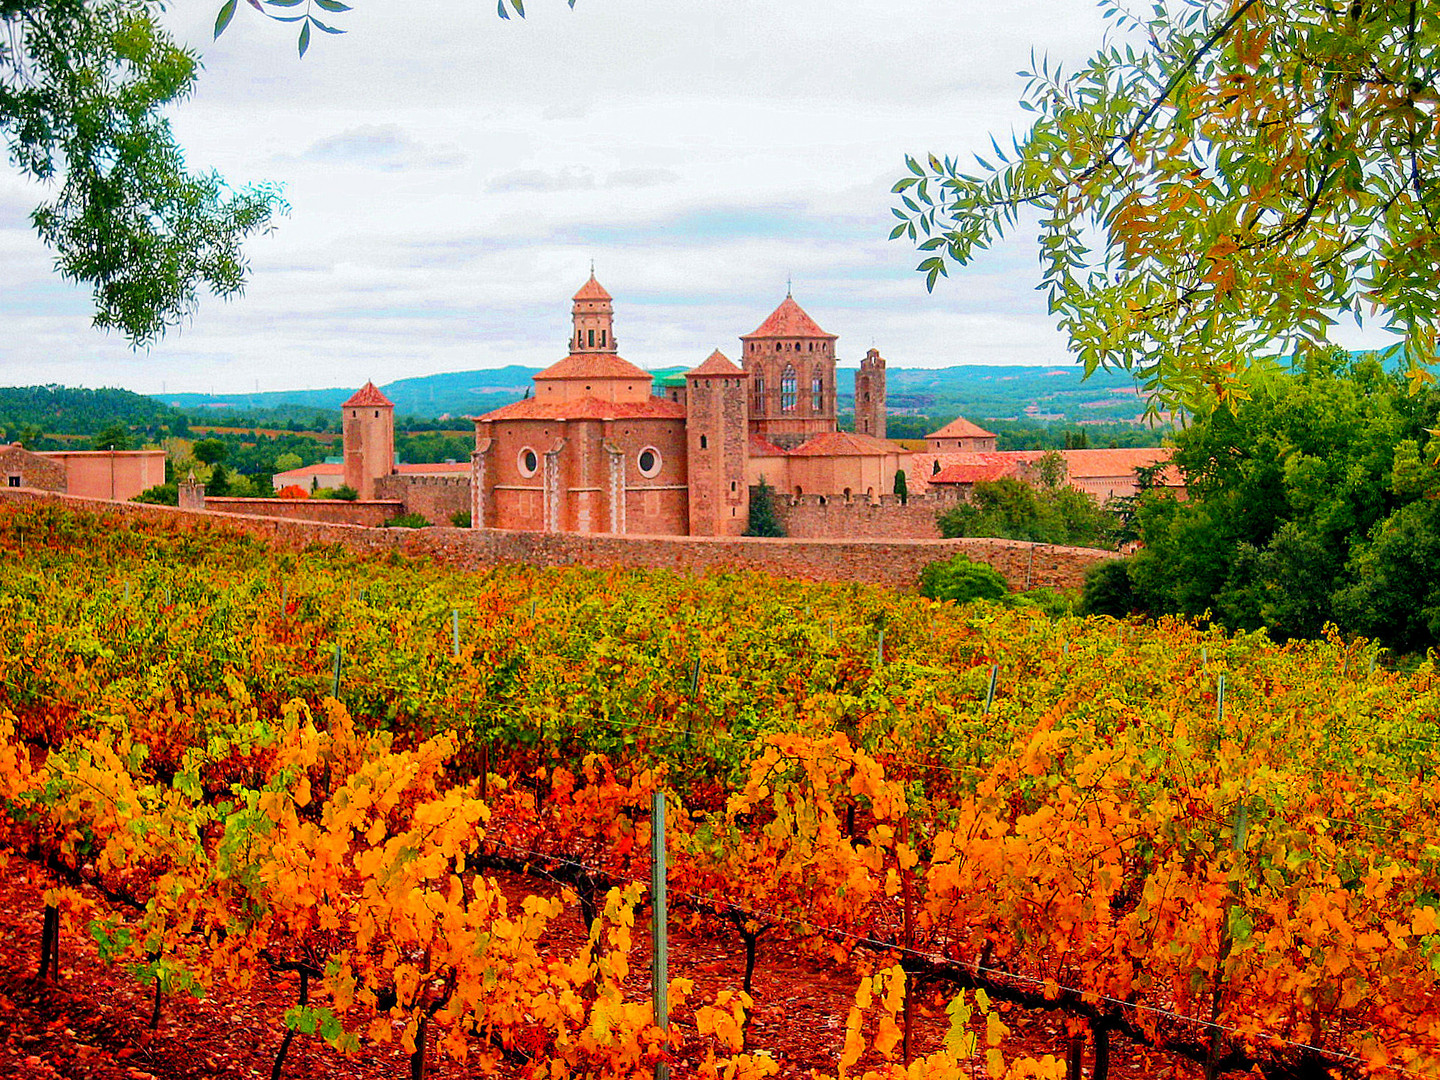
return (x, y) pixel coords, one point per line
(1119, 462)
(973, 474)
(592, 290)
(305, 472)
(593, 366)
(788, 320)
(845, 444)
(760, 448)
(717, 363)
(588, 408)
(960, 428)
(368, 397)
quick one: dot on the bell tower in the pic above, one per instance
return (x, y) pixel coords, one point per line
(870, 395)
(594, 317)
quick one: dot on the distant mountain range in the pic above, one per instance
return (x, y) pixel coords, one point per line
(976, 392)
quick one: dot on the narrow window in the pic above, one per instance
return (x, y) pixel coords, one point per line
(592, 337)
(817, 394)
(602, 337)
(787, 390)
(732, 485)
(704, 443)
(377, 414)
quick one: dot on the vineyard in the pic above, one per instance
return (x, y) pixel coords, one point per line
(420, 803)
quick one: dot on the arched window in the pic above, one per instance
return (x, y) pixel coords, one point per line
(787, 389)
(759, 394)
(704, 442)
(817, 393)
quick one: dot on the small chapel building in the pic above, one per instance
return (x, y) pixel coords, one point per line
(596, 449)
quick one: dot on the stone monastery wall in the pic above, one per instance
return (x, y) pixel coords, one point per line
(894, 563)
(816, 517)
(435, 498)
(370, 512)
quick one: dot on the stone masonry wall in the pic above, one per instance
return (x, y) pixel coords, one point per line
(435, 498)
(32, 469)
(831, 517)
(894, 563)
(370, 512)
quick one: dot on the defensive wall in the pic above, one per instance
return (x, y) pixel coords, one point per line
(833, 517)
(892, 562)
(367, 512)
(435, 498)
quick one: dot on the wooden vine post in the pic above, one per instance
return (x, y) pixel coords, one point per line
(660, 958)
(908, 898)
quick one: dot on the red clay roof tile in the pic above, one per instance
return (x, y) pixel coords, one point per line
(368, 397)
(845, 444)
(593, 366)
(592, 290)
(960, 428)
(588, 408)
(717, 363)
(788, 320)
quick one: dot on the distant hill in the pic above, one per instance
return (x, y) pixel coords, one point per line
(457, 393)
(978, 392)
(62, 410)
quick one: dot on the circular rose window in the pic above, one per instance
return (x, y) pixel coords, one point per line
(528, 462)
(649, 462)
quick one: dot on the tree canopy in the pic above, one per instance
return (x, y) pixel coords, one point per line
(1312, 500)
(1220, 181)
(84, 89)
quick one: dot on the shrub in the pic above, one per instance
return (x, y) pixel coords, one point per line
(460, 519)
(407, 521)
(1055, 603)
(160, 495)
(1108, 590)
(293, 491)
(346, 492)
(962, 580)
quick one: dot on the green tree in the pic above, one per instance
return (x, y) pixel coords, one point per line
(85, 88)
(1053, 513)
(113, 437)
(1299, 507)
(210, 451)
(902, 487)
(763, 521)
(1248, 169)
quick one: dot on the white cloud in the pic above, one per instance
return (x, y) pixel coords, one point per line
(452, 175)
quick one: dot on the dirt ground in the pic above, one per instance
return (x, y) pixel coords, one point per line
(94, 1023)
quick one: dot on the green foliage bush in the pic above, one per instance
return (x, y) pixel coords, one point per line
(460, 519)
(407, 521)
(962, 580)
(1108, 590)
(1050, 513)
(1055, 603)
(160, 495)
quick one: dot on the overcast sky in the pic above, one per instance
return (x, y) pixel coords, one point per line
(452, 176)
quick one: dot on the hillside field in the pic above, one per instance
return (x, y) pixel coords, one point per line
(312, 814)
